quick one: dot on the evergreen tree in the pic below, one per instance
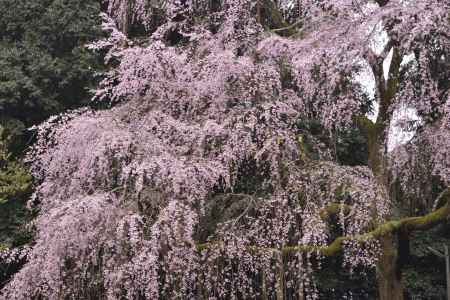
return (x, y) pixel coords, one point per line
(45, 67)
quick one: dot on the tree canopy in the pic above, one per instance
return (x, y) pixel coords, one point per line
(208, 103)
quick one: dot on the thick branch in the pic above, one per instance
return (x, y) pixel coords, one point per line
(406, 225)
(364, 124)
(389, 88)
(385, 91)
(376, 65)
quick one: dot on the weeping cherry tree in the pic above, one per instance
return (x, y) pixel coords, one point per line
(204, 104)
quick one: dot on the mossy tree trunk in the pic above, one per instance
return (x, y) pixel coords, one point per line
(389, 274)
(390, 285)
(389, 279)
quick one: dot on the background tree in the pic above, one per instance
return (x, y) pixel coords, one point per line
(45, 68)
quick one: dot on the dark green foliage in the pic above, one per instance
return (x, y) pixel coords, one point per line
(349, 145)
(335, 282)
(424, 273)
(222, 208)
(44, 65)
(14, 216)
(15, 188)
(15, 180)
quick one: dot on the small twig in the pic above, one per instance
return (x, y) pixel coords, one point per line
(298, 22)
(252, 201)
(436, 252)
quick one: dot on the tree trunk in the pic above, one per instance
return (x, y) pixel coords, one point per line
(388, 268)
(389, 277)
(280, 277)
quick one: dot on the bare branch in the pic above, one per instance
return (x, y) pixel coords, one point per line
(299, 22)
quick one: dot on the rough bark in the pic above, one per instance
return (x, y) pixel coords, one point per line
(390, 285)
